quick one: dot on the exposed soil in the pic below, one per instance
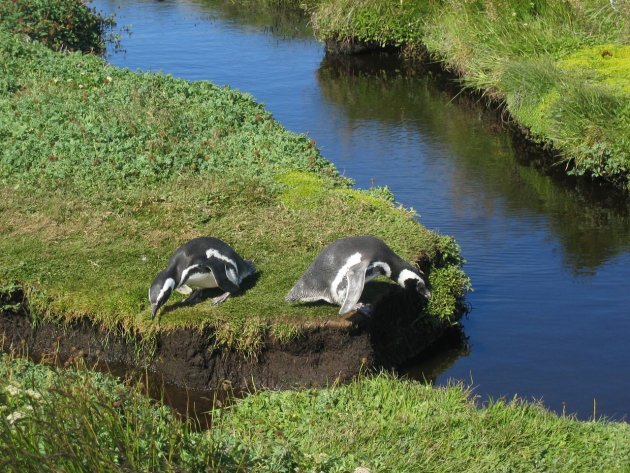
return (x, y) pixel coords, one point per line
(324, 352)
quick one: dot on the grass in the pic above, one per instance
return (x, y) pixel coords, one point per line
(386, 424)
(74, 420)
(71, 420)
(104, 172)
(560, 68)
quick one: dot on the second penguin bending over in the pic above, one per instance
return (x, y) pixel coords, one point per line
(201, 263)
(340, 271)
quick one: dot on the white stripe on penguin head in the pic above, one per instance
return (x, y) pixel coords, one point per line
(168, 284)
(405, 274)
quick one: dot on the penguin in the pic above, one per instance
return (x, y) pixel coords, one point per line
(340, 271)
(203, 262)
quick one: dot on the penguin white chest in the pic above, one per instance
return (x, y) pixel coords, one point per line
(202, 280)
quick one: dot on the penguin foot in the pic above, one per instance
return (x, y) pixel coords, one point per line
(183, 289)
(220, 299)
(195, 296)
(364, 309)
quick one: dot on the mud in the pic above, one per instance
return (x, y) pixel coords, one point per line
(327, 351)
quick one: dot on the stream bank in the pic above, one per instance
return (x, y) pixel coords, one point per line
(559, 70)
(324, 352)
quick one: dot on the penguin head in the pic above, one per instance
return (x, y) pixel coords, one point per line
(160, 291)
(414, 280)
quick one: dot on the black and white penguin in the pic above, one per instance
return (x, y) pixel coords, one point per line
(340, 271)
(201, 263)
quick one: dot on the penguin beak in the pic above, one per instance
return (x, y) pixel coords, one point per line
(154, 310)
(422, 289)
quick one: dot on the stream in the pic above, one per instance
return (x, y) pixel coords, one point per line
(549, 258)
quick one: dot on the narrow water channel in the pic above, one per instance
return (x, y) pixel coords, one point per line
(550, 264)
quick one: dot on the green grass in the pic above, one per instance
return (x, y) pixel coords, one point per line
(77, 421)
(104, 172)
(73, 420)
(560, 68)
(391, 425)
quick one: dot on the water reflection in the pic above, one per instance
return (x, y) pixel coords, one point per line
(282, 21)
(592, 227)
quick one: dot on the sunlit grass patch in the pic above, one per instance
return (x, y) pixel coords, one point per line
(74, 420)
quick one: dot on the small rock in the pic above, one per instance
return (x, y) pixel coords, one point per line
(362, 469)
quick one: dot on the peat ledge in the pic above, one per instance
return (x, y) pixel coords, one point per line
(323, 352)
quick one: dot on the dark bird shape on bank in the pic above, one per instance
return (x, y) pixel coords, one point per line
(201, 263)
(340, 271)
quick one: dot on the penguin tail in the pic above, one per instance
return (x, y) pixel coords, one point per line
(294, 294)
(251, 267)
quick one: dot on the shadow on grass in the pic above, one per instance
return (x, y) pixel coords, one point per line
(207, 294)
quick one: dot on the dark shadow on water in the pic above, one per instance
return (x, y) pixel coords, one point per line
(196, 406)
(188, 404)
(452, 346)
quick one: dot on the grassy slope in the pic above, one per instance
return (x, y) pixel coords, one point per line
(561, 68)
(104, 172)
(380, 423)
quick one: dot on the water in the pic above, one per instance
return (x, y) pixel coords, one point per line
(550, 263)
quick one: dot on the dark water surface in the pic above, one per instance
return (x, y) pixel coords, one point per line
(550, 264)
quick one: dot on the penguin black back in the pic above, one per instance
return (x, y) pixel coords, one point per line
(204, 262)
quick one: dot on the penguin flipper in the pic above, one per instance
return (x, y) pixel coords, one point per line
(183, 289)
(355, 278)
(219, 271)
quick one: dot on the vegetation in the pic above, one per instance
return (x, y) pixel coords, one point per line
(104, 172)
(560, 68)
(74, 420)
(61, 24)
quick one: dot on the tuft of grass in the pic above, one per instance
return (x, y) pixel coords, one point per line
(55, 419)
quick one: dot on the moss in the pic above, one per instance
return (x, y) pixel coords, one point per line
(606, 63)
(303, 190)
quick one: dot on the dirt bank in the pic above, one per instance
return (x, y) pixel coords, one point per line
(323, 352)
